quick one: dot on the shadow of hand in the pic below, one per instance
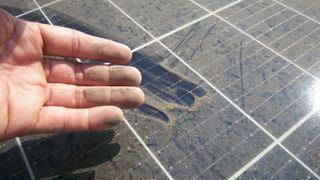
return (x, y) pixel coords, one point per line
(59, 156)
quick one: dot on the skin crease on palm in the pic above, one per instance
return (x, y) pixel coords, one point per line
(47, 96)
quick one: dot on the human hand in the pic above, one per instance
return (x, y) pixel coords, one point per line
(45, 96)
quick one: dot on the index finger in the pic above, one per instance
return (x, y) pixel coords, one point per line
(61, 41)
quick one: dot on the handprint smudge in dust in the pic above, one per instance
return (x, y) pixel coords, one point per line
(166, 87)
(165, 90)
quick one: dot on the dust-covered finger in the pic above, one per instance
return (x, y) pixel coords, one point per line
(82, 97)
(60, 119)
(61, 41)
(84, 74)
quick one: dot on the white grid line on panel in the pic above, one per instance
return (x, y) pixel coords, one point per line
(38, 8)
(304, 148)
(306, 36)
(28, 12)
(25, 158)
(298, 12)
(280, 169)
(292, 30)
(232, 149)
(251, 5)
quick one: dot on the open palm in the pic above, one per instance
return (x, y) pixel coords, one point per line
(42, 96)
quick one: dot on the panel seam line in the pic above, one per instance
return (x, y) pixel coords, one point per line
(37, 8)
(25, 159)
(272, 145)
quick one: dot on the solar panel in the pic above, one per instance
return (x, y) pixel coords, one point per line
(230, 92)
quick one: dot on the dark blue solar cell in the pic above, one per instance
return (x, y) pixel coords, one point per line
(68, 21)
(172, 78)
(164, 95)
(153, 112)
(143, 64)
(34, 16)
(165, 84)
(191, 87)
(200, 92)
(185, 98)
(158, 70)
(12, 10)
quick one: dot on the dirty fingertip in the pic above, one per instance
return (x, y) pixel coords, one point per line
(127, 53)
(114, 116)
(109, 117)
(115, 119)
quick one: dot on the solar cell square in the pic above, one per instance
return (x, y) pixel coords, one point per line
(215, 4)
(97, 18)
(307, 7)
(161, 16)
(17, 7)
(277, 164)
(46, 2)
